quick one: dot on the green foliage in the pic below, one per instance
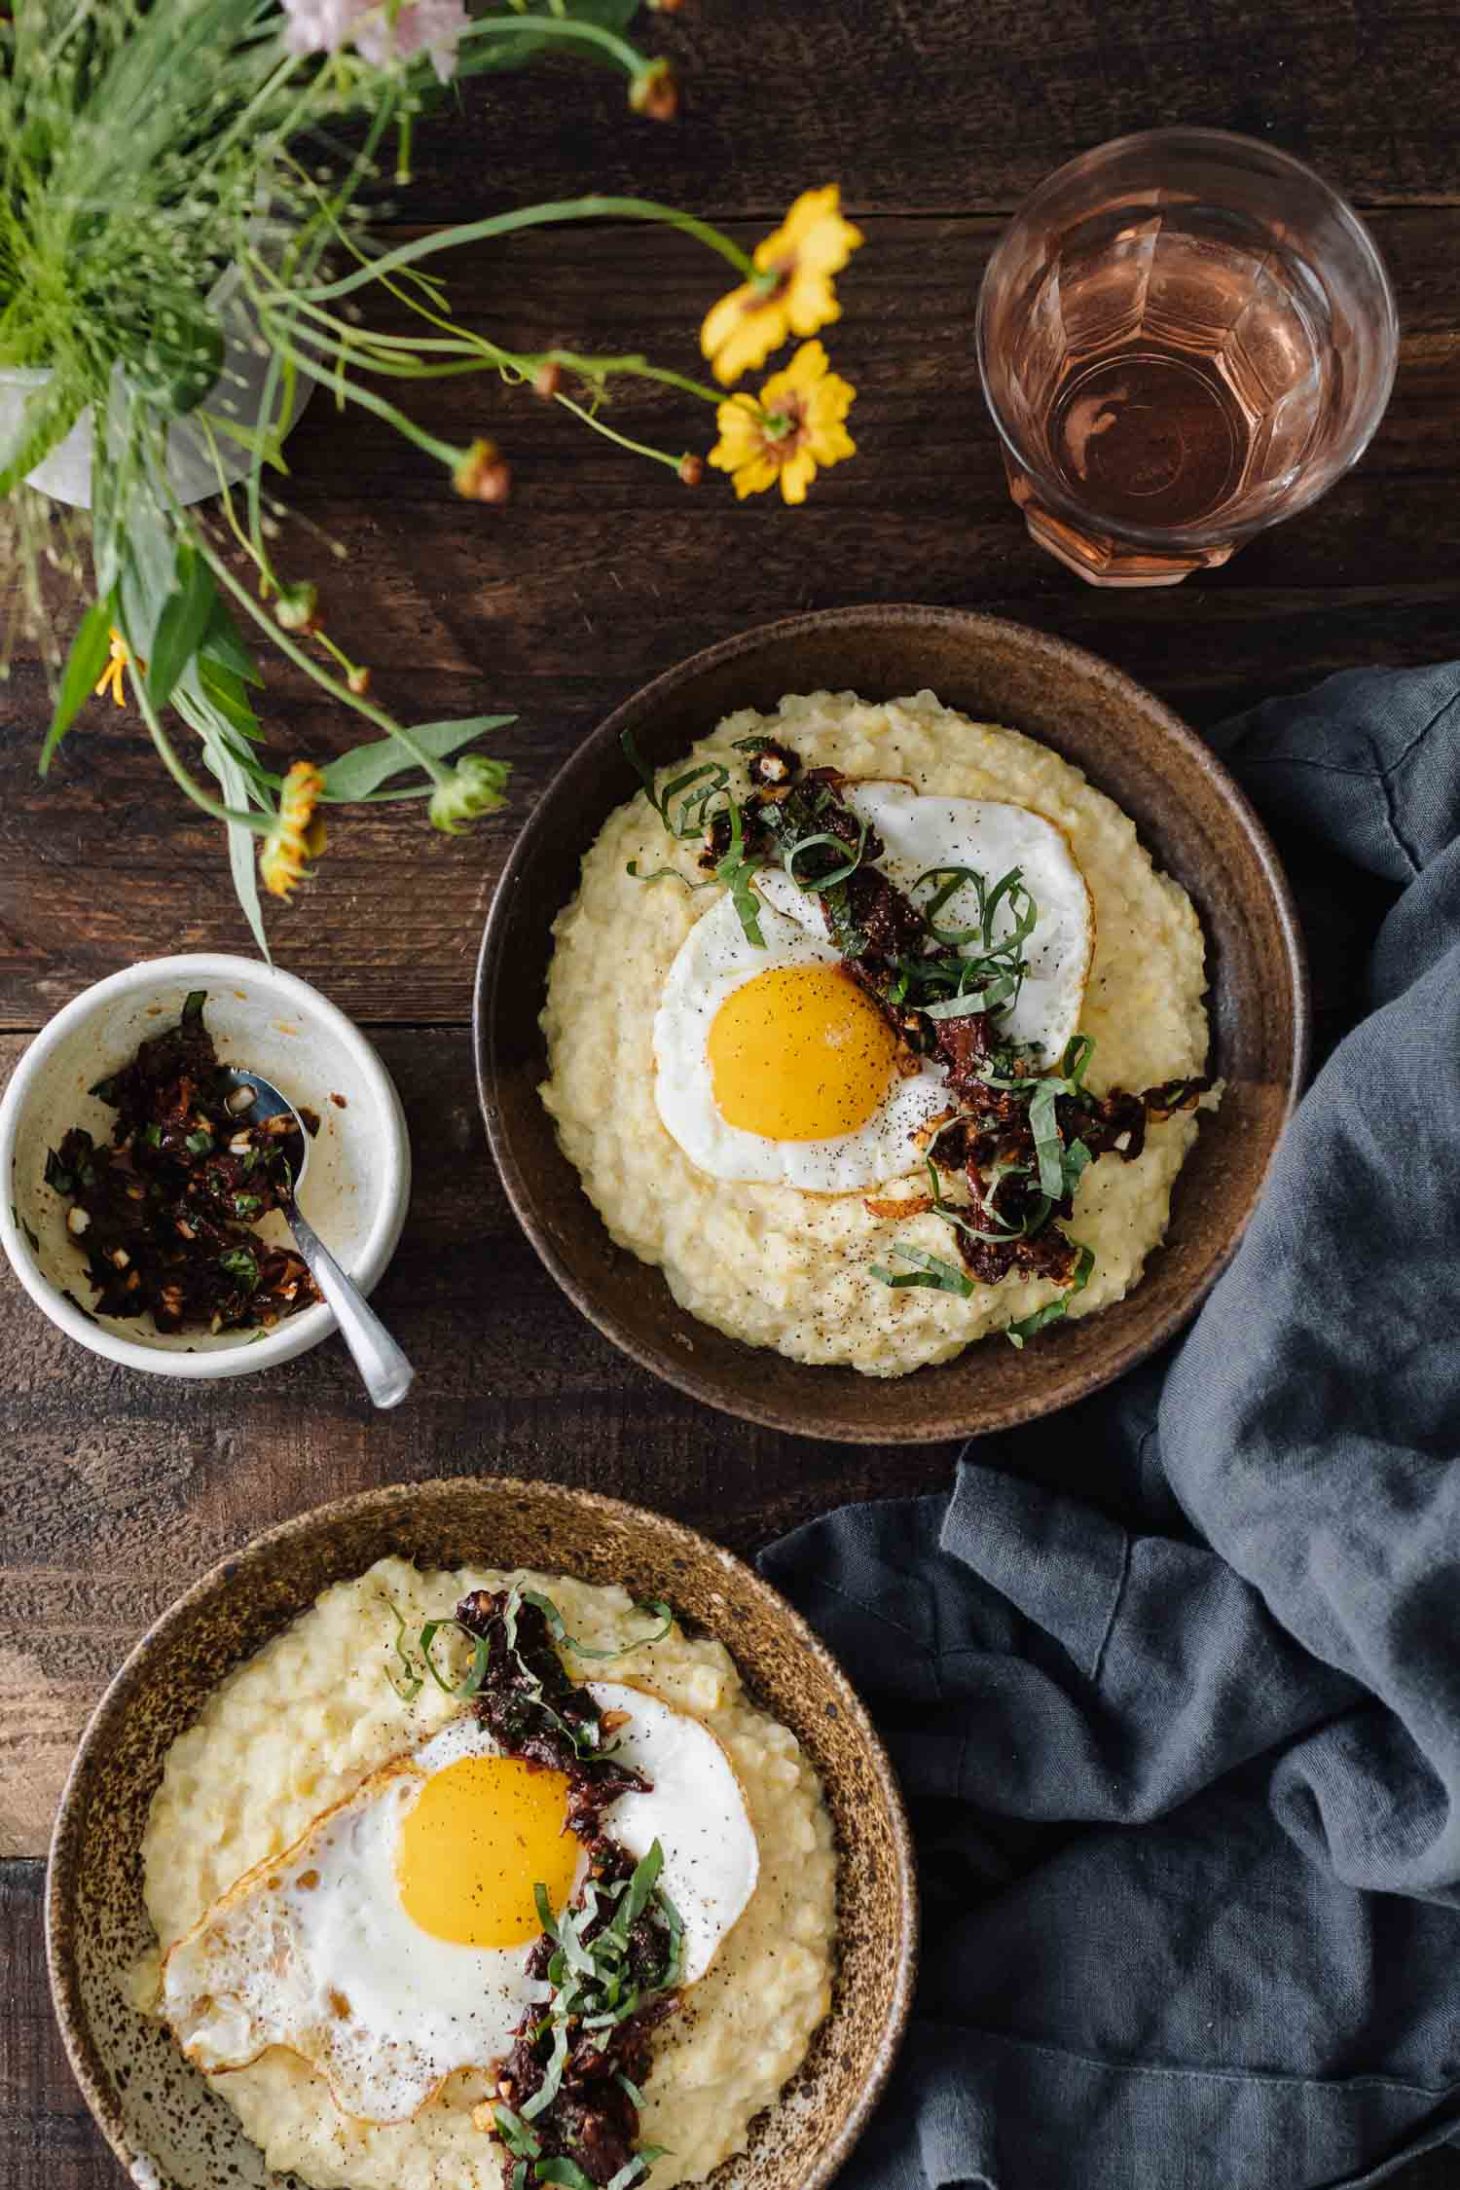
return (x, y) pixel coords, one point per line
(160, 172)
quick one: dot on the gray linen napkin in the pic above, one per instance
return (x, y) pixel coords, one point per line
(1173, 1679)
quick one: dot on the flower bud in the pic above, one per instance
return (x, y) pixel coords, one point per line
(358, 679)
(298, 608)
(483, 475)
(691, 468)
(654, 92)
(548, 379)
(475, 786)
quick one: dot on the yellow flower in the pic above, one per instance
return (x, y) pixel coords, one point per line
(483, 474)
(791, 291)
(118, 662)
(296, 836)
(797, 427)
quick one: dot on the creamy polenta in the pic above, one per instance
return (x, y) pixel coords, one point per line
(300, 1726)
(781, 1267)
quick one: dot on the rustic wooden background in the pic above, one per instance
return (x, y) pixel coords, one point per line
(936, 118)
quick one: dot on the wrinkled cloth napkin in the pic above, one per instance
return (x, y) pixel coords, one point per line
(1172, 1680)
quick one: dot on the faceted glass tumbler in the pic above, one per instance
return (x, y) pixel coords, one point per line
(1184, 337)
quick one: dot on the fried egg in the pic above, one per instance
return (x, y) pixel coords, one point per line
(920, 834)
(694, 1809)
(773, 1066)
(388, 1946)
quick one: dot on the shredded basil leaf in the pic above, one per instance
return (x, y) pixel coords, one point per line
(930, 1271)
(851, 860)
(734, 869)
(564, 2173)
(1076, 1160)
(521, 2141)
(1076, 1060)
(1053, 1311)
(664, 874)
(242, 1267)
(471, 1681)
(1048, 1146)
(560, 1633)
(409, 1683)
(552, 2079)
(963, 1006)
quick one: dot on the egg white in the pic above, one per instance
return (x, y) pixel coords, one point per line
(339, 1973)
(694, 1809)
(715, 959)
(271, 1963)
(919, 833)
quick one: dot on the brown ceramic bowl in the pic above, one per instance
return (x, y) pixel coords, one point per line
(163, 2122)
(1194, 821)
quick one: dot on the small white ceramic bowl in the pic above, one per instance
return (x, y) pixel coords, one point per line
(356, 1184)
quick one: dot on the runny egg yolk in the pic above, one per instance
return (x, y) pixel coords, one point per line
(480, 1835)
(798, 1053)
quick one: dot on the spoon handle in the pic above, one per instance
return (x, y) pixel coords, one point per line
(387, 1374)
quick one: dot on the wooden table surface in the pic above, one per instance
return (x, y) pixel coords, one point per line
(936, 118)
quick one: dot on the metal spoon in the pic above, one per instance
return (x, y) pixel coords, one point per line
(387, 1374)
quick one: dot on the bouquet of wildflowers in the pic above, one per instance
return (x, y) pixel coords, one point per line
(170, 172)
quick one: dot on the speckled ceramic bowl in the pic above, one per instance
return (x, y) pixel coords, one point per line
(166, 2126)
(1198, 827)
(356, 1184)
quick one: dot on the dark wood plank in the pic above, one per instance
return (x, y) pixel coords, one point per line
(132, 1485)
(46, 2134)
(603, 571)
(957, 109)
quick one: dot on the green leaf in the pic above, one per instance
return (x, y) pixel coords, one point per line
(223, 643)
(930, 1271)
(1048, 1147)
(146, 568)
(226, 692)
(521, 2141)
(180, 627)
(565, 2174)
(84, 664)
(558, 1626)
(233, 783)
(356, 775)
(472, 1679)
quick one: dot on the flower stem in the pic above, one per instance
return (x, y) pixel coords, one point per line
(630, 60)
(533, 216)
(610, 433)
(332, 685)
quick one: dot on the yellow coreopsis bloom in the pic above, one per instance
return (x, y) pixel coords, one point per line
(791, 291)
(112, 678)
(797, 428)
(296, 836)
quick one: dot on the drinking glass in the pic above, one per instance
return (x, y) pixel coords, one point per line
(1184, 336)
